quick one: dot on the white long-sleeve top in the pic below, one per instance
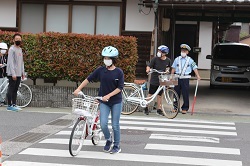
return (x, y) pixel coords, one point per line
(15, 65)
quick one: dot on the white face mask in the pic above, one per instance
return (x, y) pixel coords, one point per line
(3, 51)
(159, 54)
(107, 62)
(183, 54)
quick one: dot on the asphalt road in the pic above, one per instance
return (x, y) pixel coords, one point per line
(213, 107)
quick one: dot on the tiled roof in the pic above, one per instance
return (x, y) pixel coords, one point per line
(203, 4)
(207, 1)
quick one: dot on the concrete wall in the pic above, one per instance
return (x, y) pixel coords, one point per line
(55, 96)
(136, 21)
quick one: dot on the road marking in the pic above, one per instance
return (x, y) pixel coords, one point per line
(178, 125)
(132, 157)
(187, 148)
(167, 130)
(179, 130)
(185, 138)
(66, 142)
(25, 163)
(176, 120)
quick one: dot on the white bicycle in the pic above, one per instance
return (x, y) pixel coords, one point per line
(133, 95)
(24, 93)
(86, 123)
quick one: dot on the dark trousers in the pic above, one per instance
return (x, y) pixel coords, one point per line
(12, 90)
(183, 88)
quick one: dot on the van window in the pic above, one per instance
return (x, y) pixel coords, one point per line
(232, 52)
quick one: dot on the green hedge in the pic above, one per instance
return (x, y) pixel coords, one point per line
(72, 56)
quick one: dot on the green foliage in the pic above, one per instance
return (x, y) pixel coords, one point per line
(72, 56)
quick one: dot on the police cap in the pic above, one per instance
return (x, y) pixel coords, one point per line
(185, 46)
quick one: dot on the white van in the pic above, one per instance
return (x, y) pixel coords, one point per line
(230, 65)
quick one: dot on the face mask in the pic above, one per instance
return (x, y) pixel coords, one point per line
(3, 51)
(183, 54)
(18, 43)
(107, 62)
(159, 54)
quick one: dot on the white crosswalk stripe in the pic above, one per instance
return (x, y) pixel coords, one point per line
(187, 136)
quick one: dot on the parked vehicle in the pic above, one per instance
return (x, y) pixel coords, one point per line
(230, 65)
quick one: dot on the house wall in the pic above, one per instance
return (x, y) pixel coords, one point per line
(136, 21)
(8, 13)
(205, 42)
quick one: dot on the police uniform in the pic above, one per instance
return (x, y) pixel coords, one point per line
(183, 67)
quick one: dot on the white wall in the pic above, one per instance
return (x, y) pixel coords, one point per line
(136, 21)
(205, 42)
(8, 13)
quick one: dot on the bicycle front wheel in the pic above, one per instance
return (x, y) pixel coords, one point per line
(24, 95)
(170, 103)
(129, 107)
(77, 137)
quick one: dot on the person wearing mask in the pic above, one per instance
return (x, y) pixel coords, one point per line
(161, 63)
(183, 66)
(111, 80)
(15, 71)
(3, 62)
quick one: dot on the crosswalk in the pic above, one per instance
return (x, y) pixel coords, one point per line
(144, 141)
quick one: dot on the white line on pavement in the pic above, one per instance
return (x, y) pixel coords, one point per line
(185, 138)
(132, 157)
(187, 148)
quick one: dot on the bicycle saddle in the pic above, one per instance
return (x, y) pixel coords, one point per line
(140, 82)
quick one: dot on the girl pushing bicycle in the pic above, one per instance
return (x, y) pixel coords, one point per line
(111, 84)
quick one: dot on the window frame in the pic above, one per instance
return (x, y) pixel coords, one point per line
(70, 4)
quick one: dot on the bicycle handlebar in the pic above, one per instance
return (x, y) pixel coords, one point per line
(89, 97)
(156, 71)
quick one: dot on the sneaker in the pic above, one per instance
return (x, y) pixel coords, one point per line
(159, 112)
(17, 107)
(107, 147)
(11, 108)
(116, 149)
(146, 112)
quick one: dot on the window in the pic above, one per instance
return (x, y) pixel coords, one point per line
(32, 18)
(108, 20)
(91, 18)
(57, 18)
(83, 19)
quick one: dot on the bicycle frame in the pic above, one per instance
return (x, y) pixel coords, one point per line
(90, 126)
(6, 83)
(142, 100)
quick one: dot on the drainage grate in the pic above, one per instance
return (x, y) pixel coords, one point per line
(30, 137)
(60, 122)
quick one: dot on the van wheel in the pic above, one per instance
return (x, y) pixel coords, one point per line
(211, 86)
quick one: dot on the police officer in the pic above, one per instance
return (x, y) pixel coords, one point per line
(183, 66)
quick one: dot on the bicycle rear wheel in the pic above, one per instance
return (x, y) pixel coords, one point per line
(128, 107)
(77, 137)
(24, 95)
(170, 103)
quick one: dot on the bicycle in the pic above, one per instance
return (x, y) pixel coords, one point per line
(133, 95)
(24, 93)
(86, 124)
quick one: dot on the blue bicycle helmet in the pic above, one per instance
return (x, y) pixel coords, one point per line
(110, 52)
(163, 49)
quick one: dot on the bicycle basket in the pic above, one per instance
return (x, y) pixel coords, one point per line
(84, 107)
(168, 79)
